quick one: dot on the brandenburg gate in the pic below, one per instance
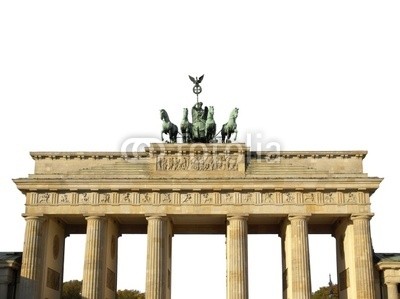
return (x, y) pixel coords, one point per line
(196, 188)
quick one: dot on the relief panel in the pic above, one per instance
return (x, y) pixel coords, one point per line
(197, 162)
(199, 198)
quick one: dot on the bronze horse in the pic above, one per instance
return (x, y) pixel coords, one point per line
(186, 128)
(230, 126)
(211, 127)
(168, 127)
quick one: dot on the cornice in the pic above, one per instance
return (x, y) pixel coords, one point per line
(186, 148)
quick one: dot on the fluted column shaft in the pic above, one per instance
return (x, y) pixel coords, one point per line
(93, 271)
(237, 268)
(301, 278)
(392, 290)
(32, 259)
(156, 273)
(363, 256)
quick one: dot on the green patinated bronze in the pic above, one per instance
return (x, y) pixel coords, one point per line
(230, 126)
(203, 128)
(168, 127)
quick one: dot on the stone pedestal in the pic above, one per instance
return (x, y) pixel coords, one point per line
(363, 256)
(93, 271)
(158, 273)
(236, 242)
(31, 269)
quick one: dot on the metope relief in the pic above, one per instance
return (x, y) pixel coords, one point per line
(105, 198)
(187, 198)
(329, 198)
(248, 198)
(146, 198)
(227, 198)
(268, 198)
(309, 198)
(351, 198)
(44, 198)
(64, 198)
(85, 198)
(289, 197)
(207, 198)
(166, 198)
(125, 198)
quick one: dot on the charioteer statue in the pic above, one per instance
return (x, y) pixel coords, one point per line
(199, 117)
(203, 127)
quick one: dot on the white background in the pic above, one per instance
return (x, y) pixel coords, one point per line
(310, 75)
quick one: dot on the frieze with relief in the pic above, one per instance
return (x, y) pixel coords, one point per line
(198, 198)
(197, 163)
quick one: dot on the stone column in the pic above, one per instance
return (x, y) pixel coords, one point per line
(6, 277)
(237, 278)
(363, 256)
(392, 290)
(3, 289)
(93, 270)
(300, 263)
(157, 258)
(32, 259)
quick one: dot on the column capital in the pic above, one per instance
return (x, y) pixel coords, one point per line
(391, 282)
(360, 216)
(94, 216)
(40, 217)
(156, 216)
(237, 216)
(299, 217)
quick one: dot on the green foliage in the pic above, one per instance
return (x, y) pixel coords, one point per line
(130, 294)
(72, 289)
(323, 293)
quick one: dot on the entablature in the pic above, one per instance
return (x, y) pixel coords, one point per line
(179, 178)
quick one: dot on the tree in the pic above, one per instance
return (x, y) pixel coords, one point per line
(130, 294)
(324, 292)
(72, 289)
